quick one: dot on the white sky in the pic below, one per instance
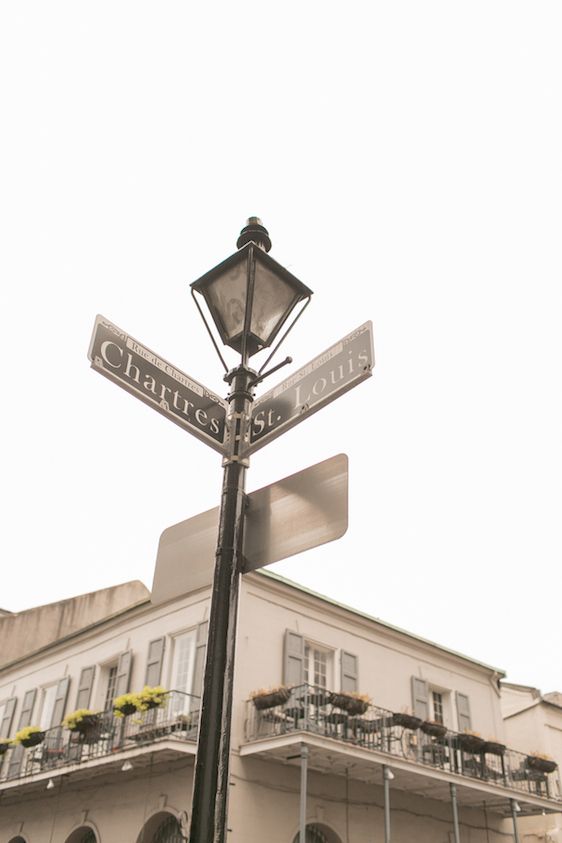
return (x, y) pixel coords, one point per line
(407, 161)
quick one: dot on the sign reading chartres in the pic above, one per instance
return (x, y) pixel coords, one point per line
(325, 378)
(180, 398)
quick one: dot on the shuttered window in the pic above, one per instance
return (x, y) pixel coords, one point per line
(420, 698)
(293, 658)
(123, 678)
(464, 719)
(154, 662)
(26, 714)
(199, 664)
(85, 683)
(349, 672)
(7, 709)
(56, 739)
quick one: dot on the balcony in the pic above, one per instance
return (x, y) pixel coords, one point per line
(422, 761)
(169, 730)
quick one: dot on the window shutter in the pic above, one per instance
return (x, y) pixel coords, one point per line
(199, 666)
(24, 720)
(420, 698)
(60, 701)
(154, 662)
(293, 658)
(123, 672)
(85, 687)
(6, 724)
(463, 712)
(349, 674)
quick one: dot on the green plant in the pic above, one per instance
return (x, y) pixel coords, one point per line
(151, 697)
(25, 734)
(125, 704)
(73, 720)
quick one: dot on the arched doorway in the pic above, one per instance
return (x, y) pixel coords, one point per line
(317, 833)
(17, 839)
(84, 834)
(163, 827)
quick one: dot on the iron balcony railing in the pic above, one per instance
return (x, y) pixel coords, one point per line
(316, 710)
(177, 719)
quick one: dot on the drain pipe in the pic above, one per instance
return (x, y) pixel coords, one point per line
(514, 811)
(456, 829)
(387, 776)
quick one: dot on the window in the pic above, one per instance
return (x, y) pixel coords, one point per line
(437, 705)
(317, 665)
(110, 687)
(183, 663)
(48, 696)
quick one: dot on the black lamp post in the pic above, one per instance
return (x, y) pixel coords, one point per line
(250, 297)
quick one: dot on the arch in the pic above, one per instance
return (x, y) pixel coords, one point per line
(83, 834)
(318, 833)
(162, 827)
(17, 839)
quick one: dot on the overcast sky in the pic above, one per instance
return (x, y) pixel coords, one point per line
(406, 158)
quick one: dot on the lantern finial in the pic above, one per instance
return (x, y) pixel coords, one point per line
(254, 231)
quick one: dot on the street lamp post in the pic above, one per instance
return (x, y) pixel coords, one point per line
(250, 297)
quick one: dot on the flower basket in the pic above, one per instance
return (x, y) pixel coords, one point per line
(542, 765)
(87, 723)
(434, 730)
(125, 710)
(352, 704)
(470, 743)
(278, 697)
(125, 705)
(150, 698)
(34, 739)
(494, 747)
(407, 721)
(4, 747)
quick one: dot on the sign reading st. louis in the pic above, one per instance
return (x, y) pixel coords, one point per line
(339, 368)
(180, 398)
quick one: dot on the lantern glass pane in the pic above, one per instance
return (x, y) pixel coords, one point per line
(274, 298)
(226, 297)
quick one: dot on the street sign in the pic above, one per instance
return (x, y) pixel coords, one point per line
(325, 378)
(300, 512)
(141, 372)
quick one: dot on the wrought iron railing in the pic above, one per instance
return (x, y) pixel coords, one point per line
(177, 718)
(316, 710)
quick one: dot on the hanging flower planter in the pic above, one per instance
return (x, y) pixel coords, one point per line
(352, 703)
(86, 724)
(264, 699)
(125, 705)
(4, 746)
(433, 729)
(494, 747)
(407, 721)
(29, 736)
(150, 698)
(470, 742)
(541, 764)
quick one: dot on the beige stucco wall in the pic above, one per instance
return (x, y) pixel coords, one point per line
(24, 632)
(264, 804)
(387, 658)
(534, 726)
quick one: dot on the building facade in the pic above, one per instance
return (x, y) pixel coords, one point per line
(371, 734)
(533, 723)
